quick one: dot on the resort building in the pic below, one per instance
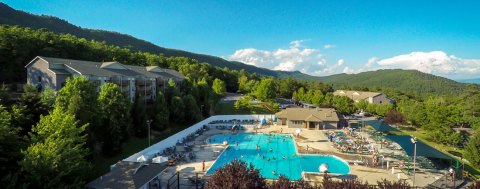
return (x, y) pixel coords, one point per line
(370, 97)
(310, 118)
(53, 72)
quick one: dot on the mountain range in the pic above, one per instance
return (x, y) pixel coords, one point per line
(474, 81)
(10, 16)
(410, 80)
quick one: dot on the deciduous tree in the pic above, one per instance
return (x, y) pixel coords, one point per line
(236, 175)
(218, 88)
(116, 118)
(57, 153)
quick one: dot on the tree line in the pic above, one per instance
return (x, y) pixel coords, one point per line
(77, 122)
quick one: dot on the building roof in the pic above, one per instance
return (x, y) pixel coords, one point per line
(128, 175)
(309, 114)
(108, 69)
(356, 95)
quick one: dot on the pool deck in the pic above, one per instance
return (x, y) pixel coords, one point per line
(316, 141)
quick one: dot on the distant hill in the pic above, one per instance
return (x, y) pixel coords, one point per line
(475, 81)
(10, 16)
(402, 80)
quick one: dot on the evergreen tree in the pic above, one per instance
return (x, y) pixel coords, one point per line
(472, 150)
(28, 109)
(177, 109)
(10, 146)
(161, 113)
(192, 111)
(139, 117)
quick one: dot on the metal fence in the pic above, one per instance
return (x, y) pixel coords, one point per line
(185, 180)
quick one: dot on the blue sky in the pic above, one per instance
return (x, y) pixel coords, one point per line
(315, 37)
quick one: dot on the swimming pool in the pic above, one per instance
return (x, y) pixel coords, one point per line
(270, 156)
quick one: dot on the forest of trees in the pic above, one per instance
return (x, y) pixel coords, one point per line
(66, 128)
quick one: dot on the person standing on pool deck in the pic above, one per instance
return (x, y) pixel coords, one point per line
(203, 165)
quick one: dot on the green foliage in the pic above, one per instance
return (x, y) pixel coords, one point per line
(382, 109)
(177, 109)
(266, 90)
(218, 88)
(361, 105)
(10, 146)
(28, 109)
(116, 119)
(161, 113)
(472, 150)
(192, 111)
(243, 103)
(47, 97)
(139, 117)
(4, 96)
(409, 81)
(57, 152)
(78, 97)
(343, 104)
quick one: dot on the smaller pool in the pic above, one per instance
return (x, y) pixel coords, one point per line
(276, 154)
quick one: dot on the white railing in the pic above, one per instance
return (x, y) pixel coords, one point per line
(172, 140)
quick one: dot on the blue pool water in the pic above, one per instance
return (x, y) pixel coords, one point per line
(281, 145)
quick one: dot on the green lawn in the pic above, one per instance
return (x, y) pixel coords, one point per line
(449, 150)
(229, 109)
(131, 146)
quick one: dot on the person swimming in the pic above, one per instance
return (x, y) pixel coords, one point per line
(284, 157)
(271, 149)
(274, 173)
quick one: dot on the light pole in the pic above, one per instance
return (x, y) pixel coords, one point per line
(414, 141)
(148, 124)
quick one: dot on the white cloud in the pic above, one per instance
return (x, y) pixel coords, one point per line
(348, 70)
(434, 62)
(328, 46)
(296, 57)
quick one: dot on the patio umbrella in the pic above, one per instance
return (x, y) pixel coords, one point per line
(160, 159)
(298, 131)
(142, 158)
(323, 167)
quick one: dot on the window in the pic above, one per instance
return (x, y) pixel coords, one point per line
(297, 122)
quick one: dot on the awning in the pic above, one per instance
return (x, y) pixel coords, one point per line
(423, 149)
(380, 125)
